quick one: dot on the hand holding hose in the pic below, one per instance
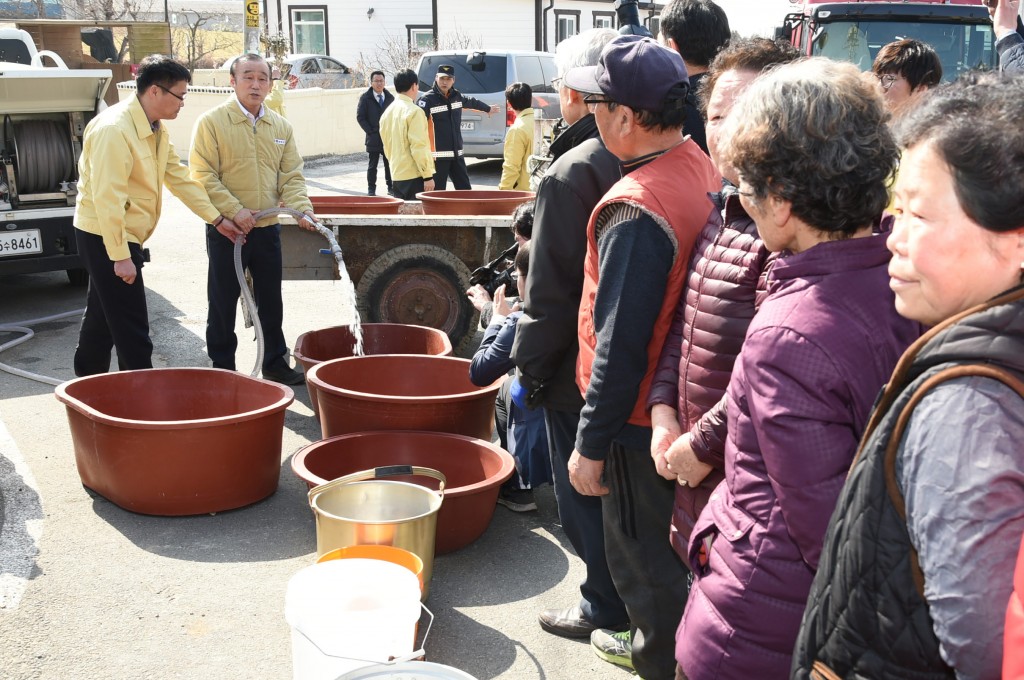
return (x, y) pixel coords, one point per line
(229, 230)
(310, 222)
(244, 220)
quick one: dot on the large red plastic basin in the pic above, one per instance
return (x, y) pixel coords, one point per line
(314, 347)
(402, 392)
(475, 470)
(355, 205)
(472, 201)
(177, 441)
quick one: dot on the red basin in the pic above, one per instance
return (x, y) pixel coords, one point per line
(314, 347)
(472, 201)
(402, 392)
(355, 205)
(475, 470)
(177, 441)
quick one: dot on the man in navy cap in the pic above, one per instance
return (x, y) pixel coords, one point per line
(638, 246)
(443, 105)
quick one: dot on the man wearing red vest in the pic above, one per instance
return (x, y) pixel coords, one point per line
(638, 244)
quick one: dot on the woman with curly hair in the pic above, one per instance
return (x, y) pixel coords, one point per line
(814, 156)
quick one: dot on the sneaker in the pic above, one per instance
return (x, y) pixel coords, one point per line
(616, 648)
(371, 192)
(517, 500)
(284, 375)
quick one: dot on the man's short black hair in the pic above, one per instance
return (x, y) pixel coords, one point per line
(522, 220)
(405, 79)
(699, 28)
(249, 56)
(519, 96)
(377, 73)
(161, 69)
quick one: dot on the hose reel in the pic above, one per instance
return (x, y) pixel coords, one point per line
(43, 155)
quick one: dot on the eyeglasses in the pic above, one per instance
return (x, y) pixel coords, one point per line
(886, 80)
(556, 83)
(592, 100)
(179, 97)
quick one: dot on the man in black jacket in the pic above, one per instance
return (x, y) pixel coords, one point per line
(697, 30)
(443, 105)
(371, 105)
(546, 342)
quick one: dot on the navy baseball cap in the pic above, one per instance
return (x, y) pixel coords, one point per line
(635, 71)
(446, 70)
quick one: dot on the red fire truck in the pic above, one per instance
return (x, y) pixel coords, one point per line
(959, 30)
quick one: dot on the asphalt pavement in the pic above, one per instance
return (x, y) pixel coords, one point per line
(89, 590)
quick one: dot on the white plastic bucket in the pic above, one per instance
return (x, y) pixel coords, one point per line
(420, 670)
(348, 614)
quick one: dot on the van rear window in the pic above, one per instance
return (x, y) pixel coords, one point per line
(488, 76)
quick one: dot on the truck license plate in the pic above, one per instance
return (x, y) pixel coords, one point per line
(23, 242)
(468, 126)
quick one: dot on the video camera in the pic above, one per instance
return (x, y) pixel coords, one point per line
(496, 273)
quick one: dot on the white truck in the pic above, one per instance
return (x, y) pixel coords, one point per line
(43, 114)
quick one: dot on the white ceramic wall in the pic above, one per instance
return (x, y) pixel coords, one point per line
(505, 24)
(350, 34)
(324, 120)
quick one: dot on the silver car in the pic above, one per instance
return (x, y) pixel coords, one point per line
(313, 70)
(485, 75)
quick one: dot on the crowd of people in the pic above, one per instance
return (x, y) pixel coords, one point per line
(708, 334)
(770, 330)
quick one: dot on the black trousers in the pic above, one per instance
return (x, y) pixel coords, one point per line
(371, 170)
(116, 315)
(451, 167)
(648, 574)
(407, 189)
(583, 524)
(261, 254)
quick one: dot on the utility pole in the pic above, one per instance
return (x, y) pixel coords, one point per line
(251, 36)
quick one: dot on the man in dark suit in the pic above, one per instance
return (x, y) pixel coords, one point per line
(371, 105)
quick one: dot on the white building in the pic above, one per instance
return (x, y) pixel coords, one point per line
(356, 30)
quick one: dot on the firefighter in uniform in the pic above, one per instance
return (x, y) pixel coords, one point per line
(443, 105)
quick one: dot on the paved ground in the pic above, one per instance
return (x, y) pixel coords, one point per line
(88, 590)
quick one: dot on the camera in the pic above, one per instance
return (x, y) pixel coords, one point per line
(496, 273)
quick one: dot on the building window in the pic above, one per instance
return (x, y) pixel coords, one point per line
(567, 24)
(604, 20)
(309, 30)
(421, 38)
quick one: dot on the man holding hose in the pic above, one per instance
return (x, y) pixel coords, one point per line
(127, 158)
(245, 156)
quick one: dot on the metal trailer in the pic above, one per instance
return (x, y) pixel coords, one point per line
(407, 268)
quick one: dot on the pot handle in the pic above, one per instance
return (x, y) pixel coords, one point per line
(379, 473)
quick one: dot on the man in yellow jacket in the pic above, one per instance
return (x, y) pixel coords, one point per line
(403, 129)
(518, 140)
(245, 155)
(127, 157)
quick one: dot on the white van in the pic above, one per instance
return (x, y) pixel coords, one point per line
(485, 75)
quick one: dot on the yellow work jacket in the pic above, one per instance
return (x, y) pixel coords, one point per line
(122, 171)
(275, 100)
(403, 129)
(247, 166)
(518, 147)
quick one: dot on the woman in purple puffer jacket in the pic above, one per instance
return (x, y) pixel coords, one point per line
(726, 281)
(814, 156)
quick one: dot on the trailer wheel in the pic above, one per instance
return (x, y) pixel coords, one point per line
(418, 284)
(78, 277)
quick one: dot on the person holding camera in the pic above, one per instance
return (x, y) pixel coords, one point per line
(479, 295)
(525, 436)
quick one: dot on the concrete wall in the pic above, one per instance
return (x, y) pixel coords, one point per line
(324, 120)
